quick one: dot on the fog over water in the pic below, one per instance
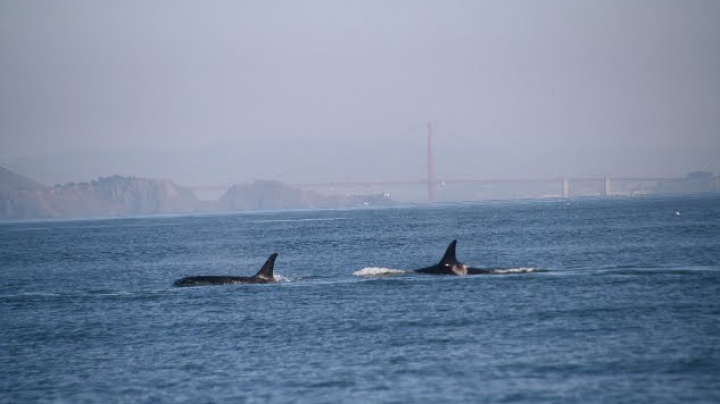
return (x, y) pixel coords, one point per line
(226, 91)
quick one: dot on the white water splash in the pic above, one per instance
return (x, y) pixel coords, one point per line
(521, 270)
(375, 271)
(280, 278)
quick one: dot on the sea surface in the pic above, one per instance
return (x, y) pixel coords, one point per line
(598, 301)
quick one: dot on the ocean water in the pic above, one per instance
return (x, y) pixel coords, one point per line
(614, 300)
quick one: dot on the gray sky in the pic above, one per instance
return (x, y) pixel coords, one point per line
(217, 91)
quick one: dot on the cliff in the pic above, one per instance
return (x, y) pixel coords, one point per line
(110, 196)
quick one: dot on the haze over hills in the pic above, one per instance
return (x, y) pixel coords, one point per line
(10, 180)
(326, 91)
(24, 198)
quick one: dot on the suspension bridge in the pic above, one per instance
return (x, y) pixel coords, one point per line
(552, 187)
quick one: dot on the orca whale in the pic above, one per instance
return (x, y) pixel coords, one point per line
(265, 275)
(449, 265)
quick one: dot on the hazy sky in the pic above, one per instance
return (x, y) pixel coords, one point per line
(302, 91)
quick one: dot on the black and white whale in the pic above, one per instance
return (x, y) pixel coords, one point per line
(449, 265)
(265, 275)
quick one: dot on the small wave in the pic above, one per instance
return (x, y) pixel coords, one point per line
(521, 270)
(375, 271)
(644, 271)
(320, 219)
(50, 295)
(28, 229)
(28, 294)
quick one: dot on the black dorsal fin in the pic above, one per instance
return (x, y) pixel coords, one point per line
(449, 257)
(267, 270)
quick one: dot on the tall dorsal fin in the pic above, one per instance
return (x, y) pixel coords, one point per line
(267, 270)
(449, 257)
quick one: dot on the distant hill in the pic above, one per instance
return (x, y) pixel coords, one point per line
(12, 181)
(23, 198)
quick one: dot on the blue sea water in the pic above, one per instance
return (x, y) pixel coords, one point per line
(608, 300)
